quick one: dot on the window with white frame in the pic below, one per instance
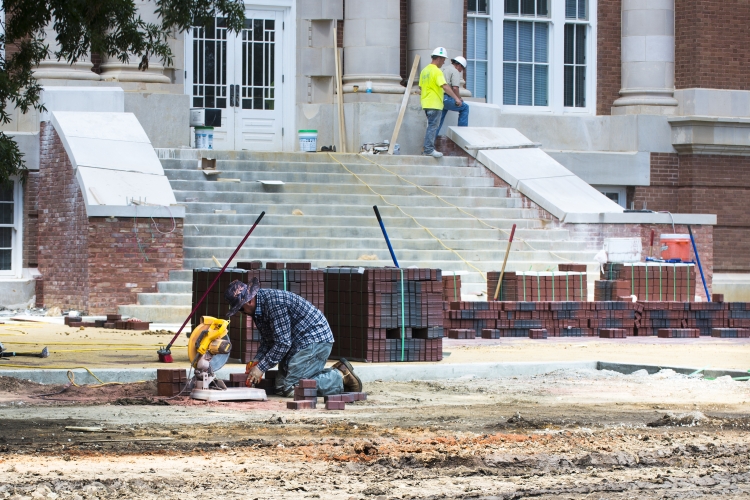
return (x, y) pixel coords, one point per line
(7, 225)
(526, 28)
(542, 55)
(476, 47)
(576, 28)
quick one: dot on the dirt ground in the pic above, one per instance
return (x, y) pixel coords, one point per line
(570, 434)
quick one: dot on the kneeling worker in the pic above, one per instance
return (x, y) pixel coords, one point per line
(293, 334)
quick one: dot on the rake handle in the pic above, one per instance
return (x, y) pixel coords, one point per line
(505, 261)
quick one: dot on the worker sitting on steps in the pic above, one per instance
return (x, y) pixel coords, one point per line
(433, 87)
(293, 334)
(452, 73)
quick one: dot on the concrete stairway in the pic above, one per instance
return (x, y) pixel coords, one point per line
(338, 226)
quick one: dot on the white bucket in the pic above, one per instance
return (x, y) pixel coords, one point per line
(204, 137)
(308, 141)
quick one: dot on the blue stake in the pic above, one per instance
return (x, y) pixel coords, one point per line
(698, 261)
(385, 235)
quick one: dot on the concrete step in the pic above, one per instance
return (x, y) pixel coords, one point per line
(174, 287)
(164, 299)
(156, 314)
(392, 217)
(341, 239)
(547, 236)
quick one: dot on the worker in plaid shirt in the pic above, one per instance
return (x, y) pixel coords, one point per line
(293, 334)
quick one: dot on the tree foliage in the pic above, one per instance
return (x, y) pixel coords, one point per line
(111, 28)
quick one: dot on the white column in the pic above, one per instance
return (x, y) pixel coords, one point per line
(114, 69)
(435, 23)
(51, 68)
(372, 36)
(647, 58)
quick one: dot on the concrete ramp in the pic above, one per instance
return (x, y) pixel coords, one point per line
(531, 171)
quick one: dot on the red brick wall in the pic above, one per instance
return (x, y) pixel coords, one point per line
(595, 234)
(662, 194)
(63, 227)
(608, 67)
(94, 264)
(709, 184)
(711, 40)
(30, 220)
(118, 270)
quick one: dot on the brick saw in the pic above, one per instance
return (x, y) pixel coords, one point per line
(208, 350)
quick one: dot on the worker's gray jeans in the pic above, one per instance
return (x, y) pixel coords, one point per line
(309, 363)
(433, 120)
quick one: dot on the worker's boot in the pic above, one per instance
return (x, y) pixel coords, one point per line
(352, 383)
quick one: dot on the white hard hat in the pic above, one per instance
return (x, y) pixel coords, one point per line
(440, 52)
(460, 60)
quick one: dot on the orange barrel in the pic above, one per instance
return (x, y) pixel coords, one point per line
(675, 246)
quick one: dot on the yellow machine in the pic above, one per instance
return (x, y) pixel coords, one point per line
(208, 350)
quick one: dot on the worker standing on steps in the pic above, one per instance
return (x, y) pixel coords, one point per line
(293, 334)
(433, 87)
(452, 73)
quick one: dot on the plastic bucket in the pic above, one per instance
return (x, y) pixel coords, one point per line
(308, 140)
(204, 137)
(675, 246)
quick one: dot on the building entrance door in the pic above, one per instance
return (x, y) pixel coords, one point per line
(241, 74)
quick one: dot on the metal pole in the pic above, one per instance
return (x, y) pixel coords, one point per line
(698, 260)
(385, 234)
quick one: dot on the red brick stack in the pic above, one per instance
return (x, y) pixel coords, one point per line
(730, 333)
(170, 382)
(704, 316)
(451, 288)
(461, 333)
(679, 333)
(612, 333)
(654, 281)
(298, 278)
(305, 395)
(538, 286)
(561, 319)
(367, 310)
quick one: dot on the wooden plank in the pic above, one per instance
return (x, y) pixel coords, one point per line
(339, 90)
(402, 111)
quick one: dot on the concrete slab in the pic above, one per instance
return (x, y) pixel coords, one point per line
(570, 194)
(516, 165)
(89, 99)
(610, 168)
(640, 218)
(114, 155)
(108, 187)
(231, 394)
(472, 139)
(111, 126)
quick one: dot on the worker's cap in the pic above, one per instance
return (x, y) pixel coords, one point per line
(440, 52)
(238, 294)
(460, 60)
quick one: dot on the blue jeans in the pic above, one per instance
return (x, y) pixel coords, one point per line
(449, 104)
(309, 363)
(433, 119)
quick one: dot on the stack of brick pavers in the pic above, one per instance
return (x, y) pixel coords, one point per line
(653, 281)
(378, 317)
(651, 317)
(561, 319)
(170, 382)
(297, 277)
(305, 395)
(451, 288)
(538, 286)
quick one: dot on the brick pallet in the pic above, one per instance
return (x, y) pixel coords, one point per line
(538, 286)
(655, 281)
(451, 288)
(730, 333)
(560, 319)
(371, 322)
(703, 316)
(297, 278)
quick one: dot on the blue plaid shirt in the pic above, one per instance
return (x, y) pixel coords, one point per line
(287, 324)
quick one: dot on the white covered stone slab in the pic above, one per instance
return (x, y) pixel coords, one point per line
(116, 188)
(562, 195)
(109, 126)
(516, 165)
(88, 99)
(471, 139)
(608, 168)
(114, 155)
